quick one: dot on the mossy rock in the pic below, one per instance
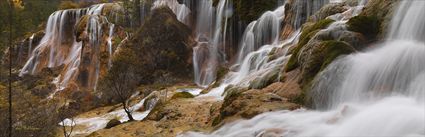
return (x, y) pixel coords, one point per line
(221, 72)
(321, 56)
(182, 95)
(327, 10)
(308, 32)
(369, 26)
(112, 123)
(383, 10)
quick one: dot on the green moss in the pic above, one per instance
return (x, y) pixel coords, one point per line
(308, 32)
(322, 24)
(232, 93)
(116, 41)
(182, 95)
(333, 49)
(327, 52)
(367, 25)
(221, 72)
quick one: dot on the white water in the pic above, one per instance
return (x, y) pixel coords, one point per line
(93, 124)
(110, 36)
(30, 45)
(390, 117)
(210, 35)
(377, 93)
(260, 37)
(59, 46)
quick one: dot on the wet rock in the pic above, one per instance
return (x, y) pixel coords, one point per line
(182, 95)
(308, 32)
(327, 10)
(383, 10)
(247, 104)
(316, 56)
(112, 123)
(369, 26)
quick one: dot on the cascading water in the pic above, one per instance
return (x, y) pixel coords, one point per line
(252, 63)
(210, 34)
(60, 46)
(376, 93)
(110, 36)
(30, 45)
(257, 43)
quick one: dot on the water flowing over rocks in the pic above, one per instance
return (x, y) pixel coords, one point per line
(213, 68)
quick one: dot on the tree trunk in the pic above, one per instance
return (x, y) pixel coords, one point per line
(130, 117)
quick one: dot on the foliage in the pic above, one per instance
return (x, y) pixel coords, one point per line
(121, 81)
(68, 4)
(27, 19)
(32, 116)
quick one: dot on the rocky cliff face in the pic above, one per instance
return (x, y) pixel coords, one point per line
(161, 45)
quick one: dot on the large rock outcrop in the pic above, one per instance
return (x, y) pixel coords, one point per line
(160, 51)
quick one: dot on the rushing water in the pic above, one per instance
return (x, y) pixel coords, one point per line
(376, 93)
(210, 34)
(60, 47)
(95, 123)
(258, 41)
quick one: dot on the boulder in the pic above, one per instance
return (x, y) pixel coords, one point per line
(383, 11)
(112, 123)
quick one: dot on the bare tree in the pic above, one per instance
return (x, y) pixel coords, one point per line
(121, 80)
(66, 115)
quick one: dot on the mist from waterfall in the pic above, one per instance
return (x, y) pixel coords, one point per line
(379, 92)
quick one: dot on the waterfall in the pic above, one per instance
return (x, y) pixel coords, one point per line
(407, 23)
(384, 71)
(257, 43)
(210, 34)
(264, 31)
(110, 36)
(30, 45)
(50, 42)
(61, 47)
(379, 92)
